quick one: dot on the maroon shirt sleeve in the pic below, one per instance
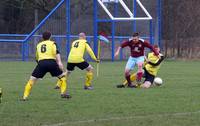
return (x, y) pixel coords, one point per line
(125, 43)
(147, 44)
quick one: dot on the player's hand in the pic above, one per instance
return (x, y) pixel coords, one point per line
(159, 56)
(116, 54)
(98, 61)
(147, 61)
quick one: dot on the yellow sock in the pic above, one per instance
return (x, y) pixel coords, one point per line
(63, 85)
(28, 88)
(59, 82)
(88, 79)
(132, 77)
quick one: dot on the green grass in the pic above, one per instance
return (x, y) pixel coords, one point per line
(176, 103)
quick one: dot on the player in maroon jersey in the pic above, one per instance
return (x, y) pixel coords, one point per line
(137, 46)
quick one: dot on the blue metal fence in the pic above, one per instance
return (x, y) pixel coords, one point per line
(23, 39)
(26, 47)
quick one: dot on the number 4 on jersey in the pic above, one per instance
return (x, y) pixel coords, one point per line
(76, 44)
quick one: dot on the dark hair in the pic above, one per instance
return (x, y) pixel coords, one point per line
(46, 35)
(135, 34)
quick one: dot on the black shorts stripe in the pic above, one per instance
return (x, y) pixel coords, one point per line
(82, 65)
(148, 76)
(44, 66)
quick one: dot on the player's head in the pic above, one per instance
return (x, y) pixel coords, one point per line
(135, 37)
(46, 35)
(82, 35)
(156, 47)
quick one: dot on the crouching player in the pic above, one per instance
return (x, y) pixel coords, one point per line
(151, 67)
(48, 58)
(75, 59)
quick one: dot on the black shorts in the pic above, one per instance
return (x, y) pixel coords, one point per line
(44, 66)
(148, 76)
(82, 65)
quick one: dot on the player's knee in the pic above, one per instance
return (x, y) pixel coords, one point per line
(140, 65)
(127, 71)
(67, 73)
(33, 78)
(146, 84)
(89, 68)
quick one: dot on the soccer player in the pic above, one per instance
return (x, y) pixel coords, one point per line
(75, 59)
(48, 59)
(151, 67)
(137, 46)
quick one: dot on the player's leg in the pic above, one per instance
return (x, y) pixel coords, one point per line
(63, 85)
(38, 72)
(129, 66)
(140, 62)
(28, 87)
(58, 84)
(146, 84)
(148, 80)
(55, 71)
(89, 74)
(132, 77)
(59, 81)
(128, 81)
(89, 77)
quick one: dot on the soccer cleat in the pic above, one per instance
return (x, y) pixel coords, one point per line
(132, 86)
(56, 87)
(67, 96)
(23, 99)
(88, 88)
(120, 86)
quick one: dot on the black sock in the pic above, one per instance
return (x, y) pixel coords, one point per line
(128, 79)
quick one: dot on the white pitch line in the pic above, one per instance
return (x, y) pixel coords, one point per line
(122, 118)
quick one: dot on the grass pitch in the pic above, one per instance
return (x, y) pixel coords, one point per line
(176, 103)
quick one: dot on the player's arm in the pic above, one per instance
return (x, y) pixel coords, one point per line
(36, 56)
(117, 52)
(148, 45)
(58, 56)
(124, 44)
(157, 62)
(91, 53)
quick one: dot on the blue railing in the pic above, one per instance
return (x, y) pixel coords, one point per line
(25, 37)
(58, 38)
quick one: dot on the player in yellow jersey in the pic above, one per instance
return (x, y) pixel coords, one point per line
(151, 67)
(75, 59)
(48, 59)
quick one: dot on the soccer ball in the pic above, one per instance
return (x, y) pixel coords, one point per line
(158, 81)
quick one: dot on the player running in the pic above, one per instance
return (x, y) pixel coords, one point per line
(48, 58)
(151, 67)
(137, 46)
(75, 59)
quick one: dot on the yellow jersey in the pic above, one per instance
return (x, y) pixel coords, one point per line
(78, 50)
(154, 63)
(46, 50)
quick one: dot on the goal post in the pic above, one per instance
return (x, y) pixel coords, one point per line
(136, 12)
(131, 15)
